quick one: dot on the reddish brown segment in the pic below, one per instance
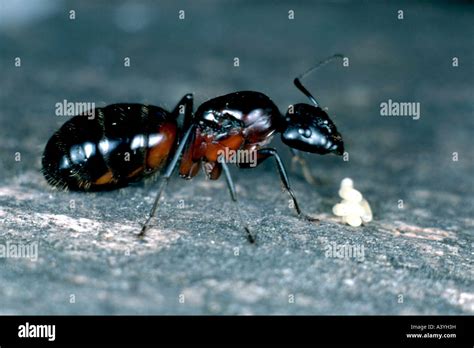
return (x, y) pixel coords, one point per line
(158, 154)
(238, 121)
(107, 178)
(188, 166)
(213, 170)
(136, 172)
(205, 148)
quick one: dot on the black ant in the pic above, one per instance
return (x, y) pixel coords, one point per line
(127, 142)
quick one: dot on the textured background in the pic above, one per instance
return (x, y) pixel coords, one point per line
(422, 251)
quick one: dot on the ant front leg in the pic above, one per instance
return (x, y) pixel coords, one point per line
(270, 152)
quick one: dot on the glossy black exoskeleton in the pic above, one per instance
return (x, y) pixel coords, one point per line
(127, 142)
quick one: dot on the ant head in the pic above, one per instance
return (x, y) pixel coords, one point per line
(308, 128)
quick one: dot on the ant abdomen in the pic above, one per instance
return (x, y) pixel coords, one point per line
(120, 144)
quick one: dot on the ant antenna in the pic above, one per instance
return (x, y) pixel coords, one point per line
(299, 85)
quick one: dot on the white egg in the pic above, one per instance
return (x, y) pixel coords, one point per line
(353, 220)
(353, 208)
(350, 194)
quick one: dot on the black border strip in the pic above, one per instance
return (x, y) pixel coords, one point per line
(332, 330)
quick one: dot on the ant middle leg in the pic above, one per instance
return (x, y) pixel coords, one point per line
(271, 152)
(233, 195)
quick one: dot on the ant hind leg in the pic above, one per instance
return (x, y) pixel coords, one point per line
(186, 103)
(165, 178)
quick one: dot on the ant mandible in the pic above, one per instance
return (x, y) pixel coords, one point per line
(128, 142)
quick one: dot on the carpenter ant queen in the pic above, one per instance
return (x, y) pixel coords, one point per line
(89, 154)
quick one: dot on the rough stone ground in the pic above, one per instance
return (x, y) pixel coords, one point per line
(422, 251)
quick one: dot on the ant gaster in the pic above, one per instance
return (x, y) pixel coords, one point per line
(126, 142)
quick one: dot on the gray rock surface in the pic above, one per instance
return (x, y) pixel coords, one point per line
(417, 259)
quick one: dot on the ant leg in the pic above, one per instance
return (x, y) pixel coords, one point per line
(268, 152)
(233, 195)
(185, 106)
(299, 85)
(164, 180)
(299, 159)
